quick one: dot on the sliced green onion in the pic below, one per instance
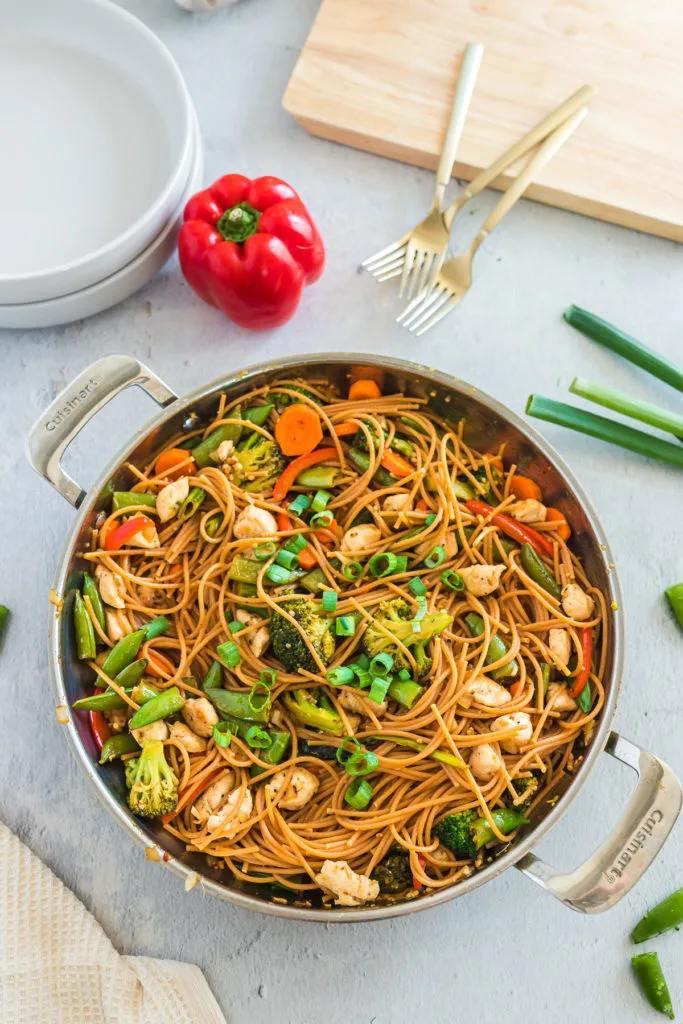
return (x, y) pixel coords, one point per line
(435, 557)
(627, 405)
(287, 559)
(379, 687)
(358, 794)
(256, 691)
(235, 626)
(342, 675)
(383, 564)
(191, 503)
(419, 614)
(381, 664)
(352, 570)
(452, 580)
(401, 565)
(296, 543)
(361, 764)
(268, 678)
(430, 518)
(222, 734)
(278, 574)
(417, 587)
(330, 598)
(321, 520)
(345, 625)
(363, 661)
(265, 551)
(362, 676)
(299, 505)
(321, 500)
(229, 653)
(404, 674)
(258, 738)
(342, 756)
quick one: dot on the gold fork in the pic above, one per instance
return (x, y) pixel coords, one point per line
(455, 276)
(391, 262)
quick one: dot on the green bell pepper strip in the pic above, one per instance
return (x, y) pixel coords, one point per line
(213, 680)
(318, 476)
(536, 569)
(662, 918)
(155, 627)
(123, 653)
(84, 629)
(165, 704)
(275, 753)
(674, 596)
(117, 745)
(202, 452)
(244, 570)
(4, 616)
(497, 648)
(308, 713)
(258, 414)
(233, 704)
(315, 580)
(90, 589)
(650, 975)
(127, 499)
(361, 460)
(110, 700)
(405, 692)
(191, 503)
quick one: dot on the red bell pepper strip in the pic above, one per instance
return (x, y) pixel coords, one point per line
(422, 861)
(116, 538)
(296, 466)
(248, 248)
(517, 531)
(190, 795)
(99, 725)
(586, 636)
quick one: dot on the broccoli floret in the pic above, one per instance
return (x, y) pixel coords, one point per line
(393, 873)
(288, 645)
(260, 464)
(489, 495)
(466, 832)
(310, 710)
(153, 785)
(524, 788)
(396, 615)
(398, 444)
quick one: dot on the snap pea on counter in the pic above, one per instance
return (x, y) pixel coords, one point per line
(650, 975)
(4, 616)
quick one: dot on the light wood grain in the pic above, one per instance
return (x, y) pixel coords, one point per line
(380, 75)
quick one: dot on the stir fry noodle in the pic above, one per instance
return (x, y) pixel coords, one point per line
(334, 648)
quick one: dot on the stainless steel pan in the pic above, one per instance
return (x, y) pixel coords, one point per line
(627, 852)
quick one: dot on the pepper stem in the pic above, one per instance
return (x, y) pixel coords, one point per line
(239, 223)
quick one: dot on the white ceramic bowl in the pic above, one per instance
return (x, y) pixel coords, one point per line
(117, 287)
(97, 144)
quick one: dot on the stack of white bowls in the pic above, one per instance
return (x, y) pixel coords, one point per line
(100, 152)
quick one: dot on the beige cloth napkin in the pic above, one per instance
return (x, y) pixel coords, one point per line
(58, 967)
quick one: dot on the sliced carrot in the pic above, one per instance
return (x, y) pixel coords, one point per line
(516, 689)
(174, 463)
(368, 373)
(285, 481)
(346, 429)
(396, 464)
(283, 521)
(523, 487)
(308, 558)
(190, 795)
(328, 534)
(563, 529)
(422, 506)
(364, 389)
(298, 430)
(159, 665)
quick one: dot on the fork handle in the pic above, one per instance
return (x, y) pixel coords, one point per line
(545, 152)
(555, 118)
(469, 69)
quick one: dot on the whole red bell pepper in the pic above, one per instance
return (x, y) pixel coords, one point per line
(248, 247)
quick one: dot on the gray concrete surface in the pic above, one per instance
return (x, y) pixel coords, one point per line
(509, 951)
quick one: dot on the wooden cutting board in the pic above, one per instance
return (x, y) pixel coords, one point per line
(380, 75)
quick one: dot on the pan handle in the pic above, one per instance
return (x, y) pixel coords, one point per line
(76, 405)
(617, 865)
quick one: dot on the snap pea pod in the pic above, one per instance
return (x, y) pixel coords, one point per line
(117, 745)
(84, 629)
(123, 653)
(191, 503)
(318, 476)
(233, 704)
(361, 460)
(258, 414)
(161, 706)
(110, 700)
(275, 753)
(245, 589)
(91, 590)
(650, 975)
(307, 713)
(662, 918)
(127, 499)
(144, 692)
(436, 755)
(497, 648)
(244, 570)
(4, 616)
(538, 571)
(545, 677)
(155, 627)
(674, 596)
(202, 452)
(213, 680)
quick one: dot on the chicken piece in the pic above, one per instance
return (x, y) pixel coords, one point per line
(246, 618)
(576, 603)
(213, 797)
(351, 700)
(528, 511)
(349, 888)
(155, 731)
(521, 722)
(559, 644)
(259, 641)
(118, 719)
(485, 763)
(488, 693)
(171, 497)
(223, 452)
(147, 538)
(254, 522)
(559, 697)
(295, 794)
(183, 735)
(359, 538)
(395, 504)
(235, 811)
(111, 586)
(115, 630)
(481, 580)
(200, 715)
